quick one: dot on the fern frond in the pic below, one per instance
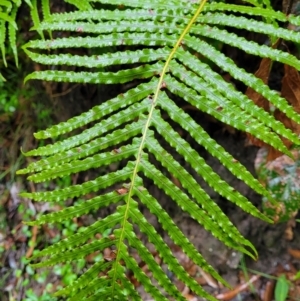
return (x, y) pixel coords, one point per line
(85, 150)
(8, 19)
(85, 278)
(249, 46)
(249, 10)
(117, 39)
(46, 9)
(35, 17)
(78, 239)
(250, 80)
(217, 229)
(80, 4)
(78, 190)
(140, 275)
(2, 40)
(110, 123)
(98, 61)
(77, 253)
(249, 24)
(216, 150)
(126, 14)
(88, 163)
(147, 257)
(80, 209)
(12, 35)
(8, 25)
(123, 76)
(187, 6)
(226, 115)
(173, 231)
(134, 95)
(155, 47)
(166, 254)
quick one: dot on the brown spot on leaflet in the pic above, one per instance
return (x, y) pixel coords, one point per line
(110, 257)
(116, 151)
(112, 237)
(163, 85)
(122, 191)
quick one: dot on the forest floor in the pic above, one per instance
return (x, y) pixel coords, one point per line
(278, 245)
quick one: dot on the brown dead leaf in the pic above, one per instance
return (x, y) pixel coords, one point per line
(263, 73)
(291, 92)
(268, 292)
(240, 288)
(295, 253)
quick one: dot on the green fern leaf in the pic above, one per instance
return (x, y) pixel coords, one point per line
(217, 229)
(85, 278)
(78, 190)
(188, 6)
(226, 115)
(249, 46)
(8, 19)
(46, 9)
(85, 150)
(100, 128)
(113, 27)
(176, 235)
(147, 257)
(117, 39)
(249, 10)
(35, 17)
(80, 238)
(12, 35)
(77, 253)
(153, 46)
(80, 209)
(251, 25)
(196, 131)
(2, 40)
(123, 76)
(88, 163)
(166, 254)
(110, 59)
(121, 101)
(250, 80)
(80, 4)
(172, 14)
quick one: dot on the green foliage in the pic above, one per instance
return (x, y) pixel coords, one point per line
(280, 177)
(155, 46)
(282, 288)
(8, 27)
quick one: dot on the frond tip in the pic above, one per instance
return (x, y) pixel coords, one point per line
(154, 46)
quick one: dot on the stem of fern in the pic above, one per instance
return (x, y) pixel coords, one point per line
(147, 125)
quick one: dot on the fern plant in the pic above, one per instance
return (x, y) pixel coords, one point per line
(164, 49)
(8, 12)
